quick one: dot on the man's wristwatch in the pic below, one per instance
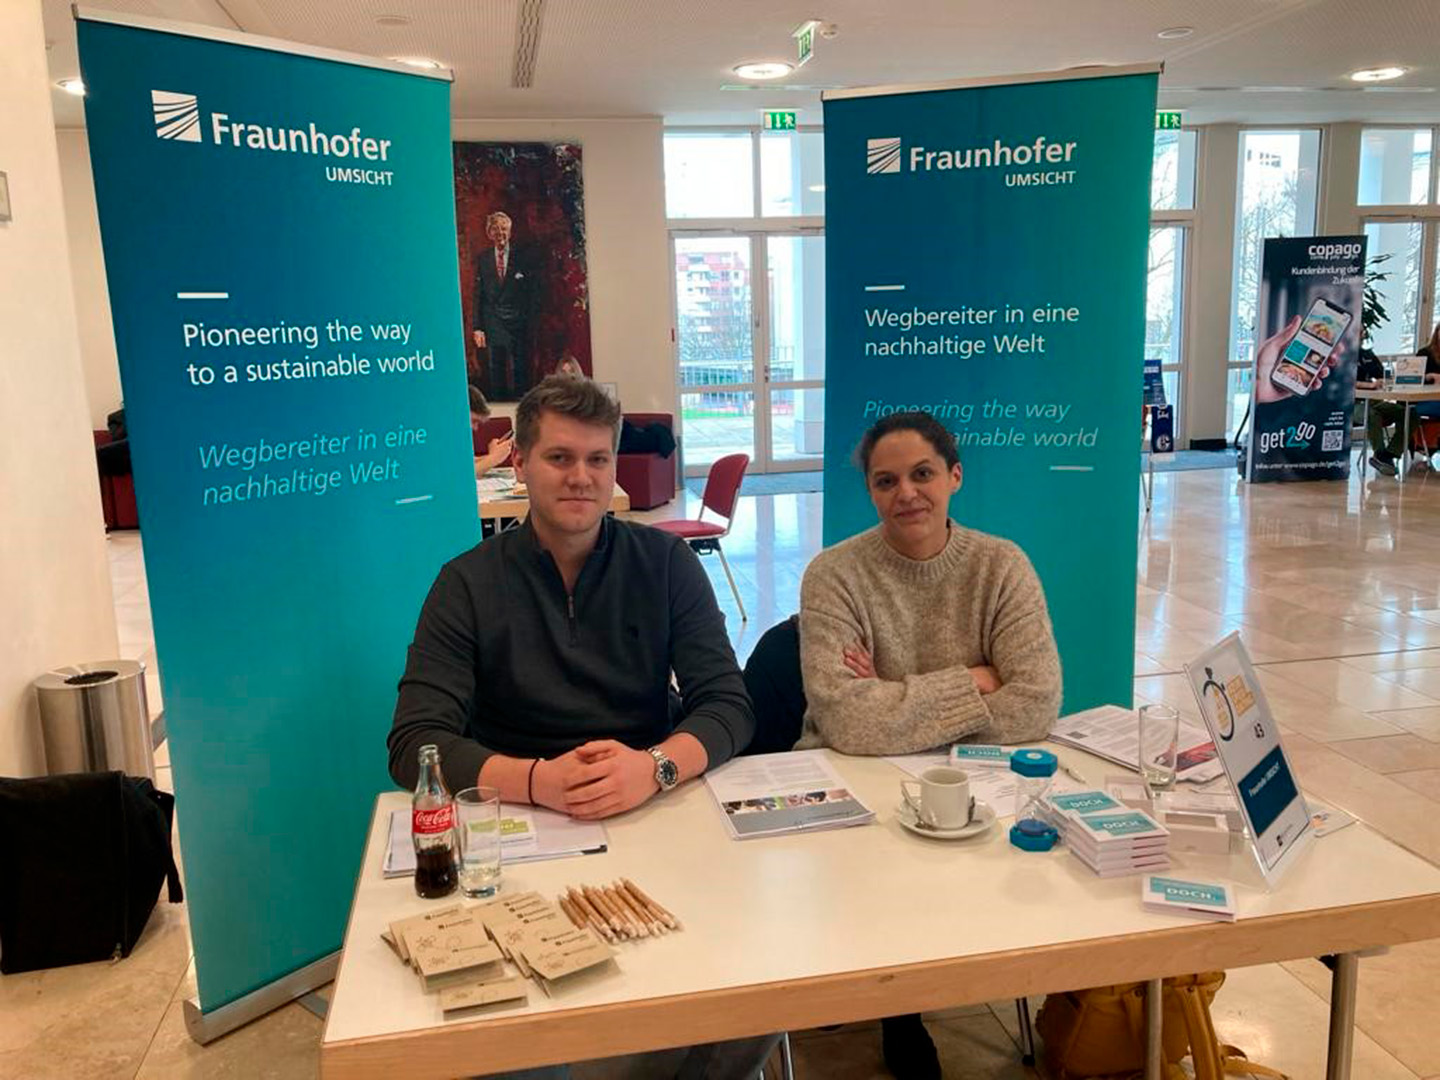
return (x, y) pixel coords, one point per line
(667, 774)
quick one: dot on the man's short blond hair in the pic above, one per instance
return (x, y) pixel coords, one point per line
(565, 395)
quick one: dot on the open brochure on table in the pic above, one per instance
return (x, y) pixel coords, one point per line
(527, 834)
(1113, 733)
(780, 793)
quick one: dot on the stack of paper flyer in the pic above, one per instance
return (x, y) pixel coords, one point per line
(780, 793)
(1117, 842)
(1113, 733)
(1203, 899)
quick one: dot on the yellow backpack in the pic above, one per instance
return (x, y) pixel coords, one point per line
(1100, 1032)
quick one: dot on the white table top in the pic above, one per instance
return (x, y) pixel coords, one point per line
(796, 907)
(1422, 392)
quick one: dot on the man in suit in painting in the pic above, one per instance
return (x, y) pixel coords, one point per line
(505, 283)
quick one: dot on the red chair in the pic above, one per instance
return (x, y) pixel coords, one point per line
(495, 427)
(722, 488)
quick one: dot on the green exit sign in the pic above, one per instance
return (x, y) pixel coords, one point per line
(1167, 121)
(779, 119)
(805, 42)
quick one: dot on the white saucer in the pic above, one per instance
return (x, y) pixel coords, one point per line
(983, 819)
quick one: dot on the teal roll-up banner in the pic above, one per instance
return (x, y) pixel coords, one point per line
(986, 261)
(279, 238)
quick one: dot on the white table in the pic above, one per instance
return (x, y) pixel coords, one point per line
(798, 931)
(1401, 395)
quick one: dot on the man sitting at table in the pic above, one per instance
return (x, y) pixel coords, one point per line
(919, 633)
(542, 660)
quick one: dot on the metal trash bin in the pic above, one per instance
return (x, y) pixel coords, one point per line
(94, 718)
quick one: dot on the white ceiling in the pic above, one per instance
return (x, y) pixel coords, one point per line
(1253, 61)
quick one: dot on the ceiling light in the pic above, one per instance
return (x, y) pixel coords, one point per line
(422, 62)
(763, 69)
(73, 85)
(392, 20)
(1380, 74)
(817, 188)
(1171, 33)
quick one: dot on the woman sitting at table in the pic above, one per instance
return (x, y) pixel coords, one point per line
(498, 452)
(920, 632)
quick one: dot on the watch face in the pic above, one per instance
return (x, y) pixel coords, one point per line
(667, 773)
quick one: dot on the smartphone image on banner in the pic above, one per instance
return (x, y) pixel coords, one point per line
(1304, 358)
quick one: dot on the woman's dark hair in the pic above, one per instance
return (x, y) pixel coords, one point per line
(478, 405)
(936, 433)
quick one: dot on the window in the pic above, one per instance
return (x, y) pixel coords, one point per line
(1172, 175)
(1278, 187)
(1395, 166)
(709, 175)
(792, 173)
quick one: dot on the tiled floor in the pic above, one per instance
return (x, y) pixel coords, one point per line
(1336, 590)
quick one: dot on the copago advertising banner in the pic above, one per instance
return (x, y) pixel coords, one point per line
(1308, 334)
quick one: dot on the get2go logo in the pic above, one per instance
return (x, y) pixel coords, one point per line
(1294, 437)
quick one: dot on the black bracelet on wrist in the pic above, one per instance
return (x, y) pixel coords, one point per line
(530, 783)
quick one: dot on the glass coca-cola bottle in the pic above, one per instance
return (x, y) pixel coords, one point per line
(432, 823)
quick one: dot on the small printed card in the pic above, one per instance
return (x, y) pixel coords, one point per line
(447, 953)
(400, 927)
(1205, 899)
(509, 989)
(1116, 829)
(555, 954)
(1082, 802)
(979, 756)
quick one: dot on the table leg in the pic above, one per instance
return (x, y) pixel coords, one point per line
(1342, 1016)
(1154, 1030)
(1365, 443)
(1405, 446)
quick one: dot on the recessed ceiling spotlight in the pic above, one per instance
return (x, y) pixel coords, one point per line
(73, 85)
(763, 69)
(1173, 33)
(1379, 74)
(422, 62)
(392, 20)
(817, 188)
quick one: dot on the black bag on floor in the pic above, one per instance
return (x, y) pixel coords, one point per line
(84, 857)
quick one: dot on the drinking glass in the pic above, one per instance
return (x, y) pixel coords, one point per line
(477, 824)
(1159, 745)
(1388, 367)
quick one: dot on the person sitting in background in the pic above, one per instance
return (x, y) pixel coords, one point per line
(570, 366)
(920, 632)
(1390, 448)
(498, 452)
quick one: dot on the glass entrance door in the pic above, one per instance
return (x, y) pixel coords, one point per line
(750, 348)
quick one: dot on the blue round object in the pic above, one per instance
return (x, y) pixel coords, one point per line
(1034, 763)
(1031, 835)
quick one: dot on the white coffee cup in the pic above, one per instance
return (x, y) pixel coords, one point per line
(944, 801)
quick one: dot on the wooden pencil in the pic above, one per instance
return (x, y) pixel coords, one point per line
(636, 909)
(592, 916)
(650, 913)
(664, 915)
(642, 926)
(603, 905)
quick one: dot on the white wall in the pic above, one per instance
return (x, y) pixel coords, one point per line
(87, 265)
(627, 247)
(55, 603)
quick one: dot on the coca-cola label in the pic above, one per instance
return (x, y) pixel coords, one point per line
(431, 822)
